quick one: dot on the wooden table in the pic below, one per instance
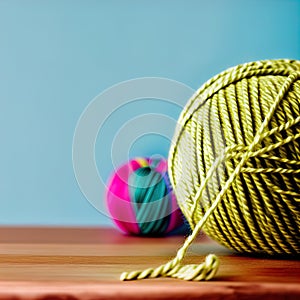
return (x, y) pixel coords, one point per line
(85, 263)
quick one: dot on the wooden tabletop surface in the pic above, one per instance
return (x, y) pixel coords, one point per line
(85, 263)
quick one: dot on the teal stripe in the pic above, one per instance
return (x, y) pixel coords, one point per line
(151, 201)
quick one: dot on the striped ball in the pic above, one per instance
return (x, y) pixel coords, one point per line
(140, 199)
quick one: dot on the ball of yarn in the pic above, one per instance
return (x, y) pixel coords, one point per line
(234, 165)
(140, 199)
(235, 159)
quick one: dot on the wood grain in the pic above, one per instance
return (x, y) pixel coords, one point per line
(85, 263)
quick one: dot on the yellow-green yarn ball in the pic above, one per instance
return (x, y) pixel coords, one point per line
(238, 139)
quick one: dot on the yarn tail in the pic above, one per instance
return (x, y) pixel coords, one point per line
(204, 271)
(174, 268)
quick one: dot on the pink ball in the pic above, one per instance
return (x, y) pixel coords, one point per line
(140, 199)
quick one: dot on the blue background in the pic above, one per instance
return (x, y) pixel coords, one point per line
(57, 55)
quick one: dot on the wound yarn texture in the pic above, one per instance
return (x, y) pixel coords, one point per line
(140, 198)
(234, 165)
